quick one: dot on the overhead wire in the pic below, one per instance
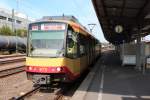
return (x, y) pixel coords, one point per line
(79, 5)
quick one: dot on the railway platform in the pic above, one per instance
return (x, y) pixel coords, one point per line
(108, 80)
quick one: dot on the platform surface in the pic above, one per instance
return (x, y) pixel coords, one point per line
(111, 81)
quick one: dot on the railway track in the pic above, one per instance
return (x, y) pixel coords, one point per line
(12, 60)
(59, 93)
(11, 56)
(7, 72)
(29, 93)
(57, 96)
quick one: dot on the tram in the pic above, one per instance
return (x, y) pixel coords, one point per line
(59, 49)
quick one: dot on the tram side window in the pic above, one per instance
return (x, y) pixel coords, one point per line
(72, 44)
(82, 45)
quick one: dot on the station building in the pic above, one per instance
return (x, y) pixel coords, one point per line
(20, 20)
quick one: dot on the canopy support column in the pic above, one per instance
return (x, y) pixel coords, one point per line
(138, 53)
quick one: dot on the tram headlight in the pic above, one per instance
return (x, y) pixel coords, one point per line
(58, 69)
(30, 68)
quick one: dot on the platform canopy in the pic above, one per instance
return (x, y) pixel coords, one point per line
(123, 20)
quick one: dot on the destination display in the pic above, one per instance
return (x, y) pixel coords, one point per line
(52, 26)
(48, 27)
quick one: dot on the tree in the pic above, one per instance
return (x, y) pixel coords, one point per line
(6, 30)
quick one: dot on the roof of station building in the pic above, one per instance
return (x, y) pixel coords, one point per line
(132, 15)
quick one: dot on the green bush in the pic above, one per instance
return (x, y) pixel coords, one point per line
(21, 32)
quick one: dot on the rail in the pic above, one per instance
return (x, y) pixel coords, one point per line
(11, 71)
(10, 56)
(10, 60)
(26, 94)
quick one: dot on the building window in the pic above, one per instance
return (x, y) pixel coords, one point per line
(18, 21)
(10, 19)
(3, 18)
(82, 44)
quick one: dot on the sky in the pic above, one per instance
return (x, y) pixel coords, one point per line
(83, 10)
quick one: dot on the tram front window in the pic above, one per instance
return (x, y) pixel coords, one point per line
(46, 43)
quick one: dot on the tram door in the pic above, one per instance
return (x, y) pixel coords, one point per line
(72, 50)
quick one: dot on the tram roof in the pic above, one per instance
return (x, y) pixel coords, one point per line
(132, 15)
(74, 23)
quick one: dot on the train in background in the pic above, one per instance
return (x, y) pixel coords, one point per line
(59, 49)
(10, 43)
